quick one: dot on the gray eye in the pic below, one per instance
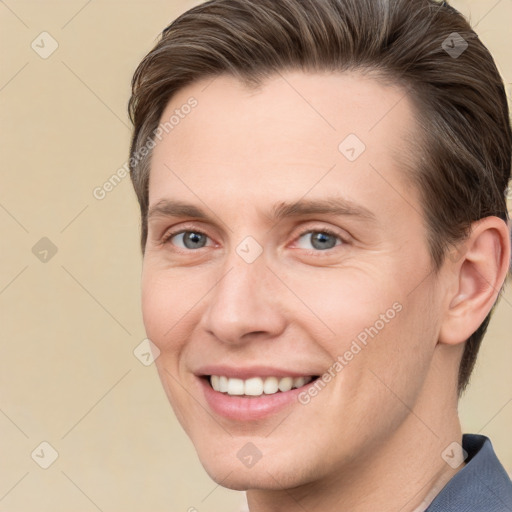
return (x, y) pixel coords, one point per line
(192, 239)
(319, 240)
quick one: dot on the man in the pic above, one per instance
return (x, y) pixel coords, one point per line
(325, 234)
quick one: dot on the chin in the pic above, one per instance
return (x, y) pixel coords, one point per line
(242, 480)
(267, 474)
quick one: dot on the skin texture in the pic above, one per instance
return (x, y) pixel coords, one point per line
(376, 432)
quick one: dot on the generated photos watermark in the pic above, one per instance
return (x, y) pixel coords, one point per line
(357, 345)
(100, 192)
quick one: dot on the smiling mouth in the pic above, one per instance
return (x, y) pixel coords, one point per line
(257, 386)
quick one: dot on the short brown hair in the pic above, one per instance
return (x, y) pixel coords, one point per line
(462, 164)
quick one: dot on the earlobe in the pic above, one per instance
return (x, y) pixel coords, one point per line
(478, 276)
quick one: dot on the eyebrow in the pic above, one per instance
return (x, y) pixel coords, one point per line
(336, 206)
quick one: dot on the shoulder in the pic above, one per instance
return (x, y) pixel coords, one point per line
(481, 485)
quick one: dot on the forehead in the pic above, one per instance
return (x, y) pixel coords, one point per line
(294, 135)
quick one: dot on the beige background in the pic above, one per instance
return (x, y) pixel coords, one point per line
(68, 375)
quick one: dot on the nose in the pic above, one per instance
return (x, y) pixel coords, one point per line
(245, 303)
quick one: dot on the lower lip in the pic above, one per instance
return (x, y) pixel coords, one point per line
(242, 408)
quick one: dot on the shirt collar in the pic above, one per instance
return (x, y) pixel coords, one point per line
(481, 485)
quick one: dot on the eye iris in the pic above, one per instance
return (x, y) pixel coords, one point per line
(190, 239)
(322, 238)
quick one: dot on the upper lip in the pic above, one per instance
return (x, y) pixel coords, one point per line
(248, 372)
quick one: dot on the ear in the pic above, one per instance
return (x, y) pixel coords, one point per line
(477, 276)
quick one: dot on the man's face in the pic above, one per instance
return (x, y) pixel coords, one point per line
(249, 295)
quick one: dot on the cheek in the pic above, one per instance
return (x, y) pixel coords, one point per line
(168, 301)
(369, 322)
(396, 361)
(342, 304)
(156, 306)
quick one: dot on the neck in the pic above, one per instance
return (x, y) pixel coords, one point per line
(402, 476)
(404, 473)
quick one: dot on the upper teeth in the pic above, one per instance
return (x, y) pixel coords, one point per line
(256, 386)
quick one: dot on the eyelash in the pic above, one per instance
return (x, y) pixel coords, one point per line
(168, 236)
